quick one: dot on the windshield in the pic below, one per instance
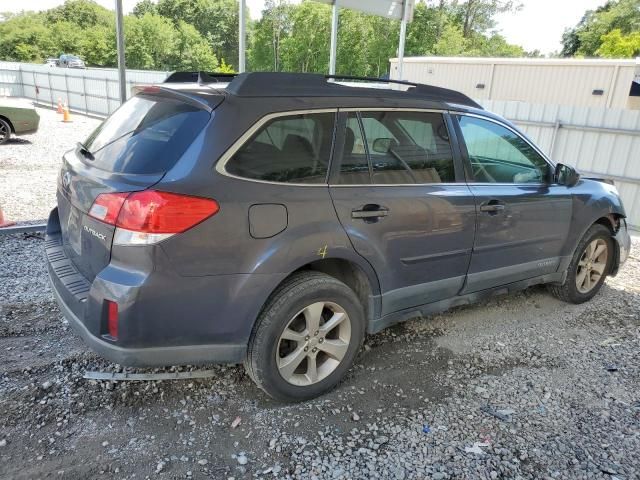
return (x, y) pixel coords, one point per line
(147, 134)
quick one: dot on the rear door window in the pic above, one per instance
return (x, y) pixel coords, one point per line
(403, 147)
(146, 135)
(288, 149)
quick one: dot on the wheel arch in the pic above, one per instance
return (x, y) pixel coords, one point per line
(612, 222)
(359, 276)
(352, 275)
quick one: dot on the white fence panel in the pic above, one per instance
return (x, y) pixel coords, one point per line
(597, 141)
(92, 91)
(10, 80)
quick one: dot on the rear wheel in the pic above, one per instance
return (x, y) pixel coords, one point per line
(589, 267)
(306, 337)
(5, 131)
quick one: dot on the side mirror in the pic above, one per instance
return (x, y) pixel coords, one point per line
(566, 175)
(382, 145)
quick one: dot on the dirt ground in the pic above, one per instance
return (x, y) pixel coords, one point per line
(559, 373)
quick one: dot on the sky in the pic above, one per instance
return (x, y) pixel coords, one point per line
(539, 25)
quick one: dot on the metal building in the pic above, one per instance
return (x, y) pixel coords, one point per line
(576, 82)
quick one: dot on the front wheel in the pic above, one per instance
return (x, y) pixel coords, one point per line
(589, 267)
(306, 337)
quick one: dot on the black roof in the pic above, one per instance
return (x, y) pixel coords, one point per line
(276, 84)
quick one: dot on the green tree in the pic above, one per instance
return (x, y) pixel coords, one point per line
(216, 20)
(25, 38)
(83, 13)
(98, 46)
(587, 37)
(494, 45)
(616, 45)
(425, 30)
(145, 6)
(356, 31)
(193, 52)
(268, 35)
(382, 45)
(202, 34)
(479, 15)
(452, 42)
(66, 37)
(306, 49)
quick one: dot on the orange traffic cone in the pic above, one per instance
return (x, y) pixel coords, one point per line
(3, 222)
(66, 115)
(60, 109)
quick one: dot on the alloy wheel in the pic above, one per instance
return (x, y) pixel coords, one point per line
(313, 344)
(592, 265)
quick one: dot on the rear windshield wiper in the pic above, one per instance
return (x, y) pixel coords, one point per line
(85, 151)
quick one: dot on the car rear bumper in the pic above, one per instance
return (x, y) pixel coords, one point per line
(151, 356)
(164, 319)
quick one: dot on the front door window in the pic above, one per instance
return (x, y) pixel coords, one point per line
(498, 155)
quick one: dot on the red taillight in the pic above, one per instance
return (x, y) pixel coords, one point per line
(107, 207)
(153, 212)
(112, 319)
(162, 212)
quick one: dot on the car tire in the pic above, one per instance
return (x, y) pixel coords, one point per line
(5, 131)
(286, 348)
(588, 269)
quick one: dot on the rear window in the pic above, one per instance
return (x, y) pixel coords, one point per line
(145, 135)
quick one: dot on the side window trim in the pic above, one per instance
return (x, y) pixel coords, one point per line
(338, 149)
(458, 159)
(465, 152)
(365, 145)
(220, 165)
(459, 162)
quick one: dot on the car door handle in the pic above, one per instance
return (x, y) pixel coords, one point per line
(492, 207)
(369, 212)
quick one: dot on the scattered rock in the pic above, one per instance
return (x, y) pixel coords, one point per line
(236, 422)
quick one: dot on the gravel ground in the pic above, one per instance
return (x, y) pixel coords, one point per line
(29, 165)
(522, 386)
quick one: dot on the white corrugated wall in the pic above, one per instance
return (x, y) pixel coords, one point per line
(553, 81)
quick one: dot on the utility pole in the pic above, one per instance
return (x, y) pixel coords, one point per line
(403, 38)
(242, 34)
(334, 38)
(122, 74)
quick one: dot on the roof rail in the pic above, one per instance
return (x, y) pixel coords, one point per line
(199, 77)
(371, 79)
(275, 84)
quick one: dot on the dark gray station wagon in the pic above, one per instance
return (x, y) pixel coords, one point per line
(274, 219)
